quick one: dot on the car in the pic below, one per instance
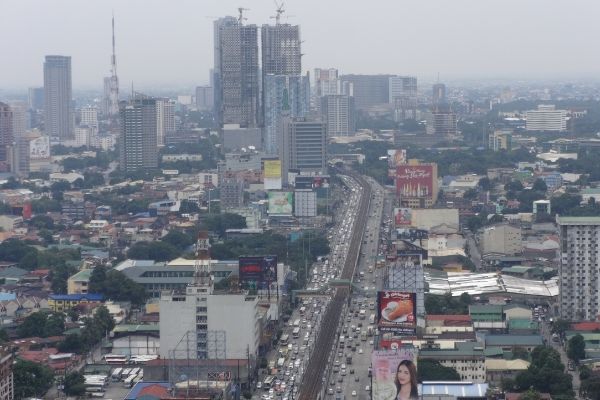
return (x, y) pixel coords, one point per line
(259, 385)
(367, 388)
(360, 351)
(371, 342)
(338, 389)
(354, 393)
(332, 383)
(340, 379)
(330, 391)
(356, 378)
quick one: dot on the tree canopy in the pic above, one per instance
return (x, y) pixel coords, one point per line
(115, 285)
(42, 324)
(545, 374)
(432, 370)
(31, 379)
(576, 348)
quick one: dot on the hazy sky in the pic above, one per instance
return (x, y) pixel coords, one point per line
(169, 42)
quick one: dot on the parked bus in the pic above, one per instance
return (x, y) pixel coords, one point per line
(126, 372)
(115, 359)
(296, 333)
(116, 374)
(285, 339)
(128, 382)
(135, 371)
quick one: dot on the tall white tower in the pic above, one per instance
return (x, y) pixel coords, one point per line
(113, 108)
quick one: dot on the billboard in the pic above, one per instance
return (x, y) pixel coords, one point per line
(304, 183)
(414, 180)
(391, 370)
(39, 148)
(272, 174)
(320, 182)
(396, 157)
(257, 272)
(280, 203)
(402, 216)
(397, 311)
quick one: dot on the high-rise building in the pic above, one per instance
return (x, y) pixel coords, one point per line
(338, 112)
(438, 94)
(303, 146)
(205, 98)
(236, 72)
(546, 118)
(165, 119)
(36, 98)
(326, 82)
(369, 90)
(137, 144)
(284, 95)
(58, 97)
(88, 116)
(281, 54)
(6, 374)
(6, 131)
(500, 140)
(441, 121)
(578, 272)
(403, 96)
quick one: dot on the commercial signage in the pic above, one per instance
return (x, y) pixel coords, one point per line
(414, 180)
(402, 216)
(257, 272)
(272, 174)
(311, 182)
(280, 203)
(397, 311)
(396, 157)
(392, 369)
(39, 148)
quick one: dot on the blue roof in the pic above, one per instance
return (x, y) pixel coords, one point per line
(4, 296)
(457, 389)
(133, 394)
(77, 297)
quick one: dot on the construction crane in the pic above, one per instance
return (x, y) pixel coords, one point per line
(241, 18)
(279, 10)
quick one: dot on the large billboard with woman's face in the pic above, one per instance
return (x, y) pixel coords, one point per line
(394, 374)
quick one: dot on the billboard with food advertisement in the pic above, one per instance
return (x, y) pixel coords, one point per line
(414, 180)
(257, 272)
(397, 311)
(402, 216)
(394, 374)
(272, 174)
(280, 203)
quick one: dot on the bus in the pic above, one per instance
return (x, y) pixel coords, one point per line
(285, 339)
(116, 374)
(125, 373)
(128, 382)
(135, 371)
(115, 359)
(297, 322)
(296, 333)
(268, 382)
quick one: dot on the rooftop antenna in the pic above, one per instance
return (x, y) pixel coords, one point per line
(279, 10)
(241, 18)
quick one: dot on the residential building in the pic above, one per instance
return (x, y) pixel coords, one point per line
(138, 142)
(8, 223)
(6, 131)
(64, 302)
(231, 191)
(467, 359)
(205, 98)
(88, 116)
(6, 374)
(303, 146)
(79, 283)
(542, 207)
(502, 239)
(283, 95)
(368, 90)
(403, 96)
(578, 269)
(338, 112)
(236, 73)
(498, 370)
(36, 98)
(58, 97)
(546, 118)
(500, 140)
(165, 119)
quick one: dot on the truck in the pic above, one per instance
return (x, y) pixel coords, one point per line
(280, 362)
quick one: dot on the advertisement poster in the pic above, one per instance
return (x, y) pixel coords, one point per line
(304, 182)
(39, 148)
(280, 203)
(402, 216)
(272, 174)
(394, 371)
(397, 311)
(257, 272)
(414, 180)
(396, 157)
(320, 182)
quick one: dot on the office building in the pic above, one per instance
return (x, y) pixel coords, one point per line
(338, 112)
(305, 203)
(403, 97)
(500, 140)
(36, 98)
(165, 119)
(438, 94)
(58, 97)
(88, 116)
(237, 138)
(546, 118)
(578, 270)
(236, 72)
(368, 90)
(138, 140)
(231, 190)
(284, 95)
(205, 98)
(6, 131)
(303, 146)
(441, 121)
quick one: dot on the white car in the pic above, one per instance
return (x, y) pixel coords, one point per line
(354, 393)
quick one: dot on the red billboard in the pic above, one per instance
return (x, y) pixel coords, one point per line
(414, 180)
(397, 311)
(258, 272)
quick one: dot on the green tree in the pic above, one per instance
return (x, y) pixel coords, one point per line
(45, 205)
(74, 384)
(157, 251)
(590, 387)
(178, 239)
(73, 343)
(530, 395)
(116, 286)
(103, 319)
(560, 326)
(19, 252)
(432, 370)
(576, 348)
(545, 374)
(485, 184)
(33, 325)
(470, 194)
(219, 223)
(3, 336)
(59, 278)
(513, 186)
(539, 185)
(31, 379)
(42, 222)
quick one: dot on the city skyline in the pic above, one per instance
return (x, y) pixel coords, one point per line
(466, 41)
